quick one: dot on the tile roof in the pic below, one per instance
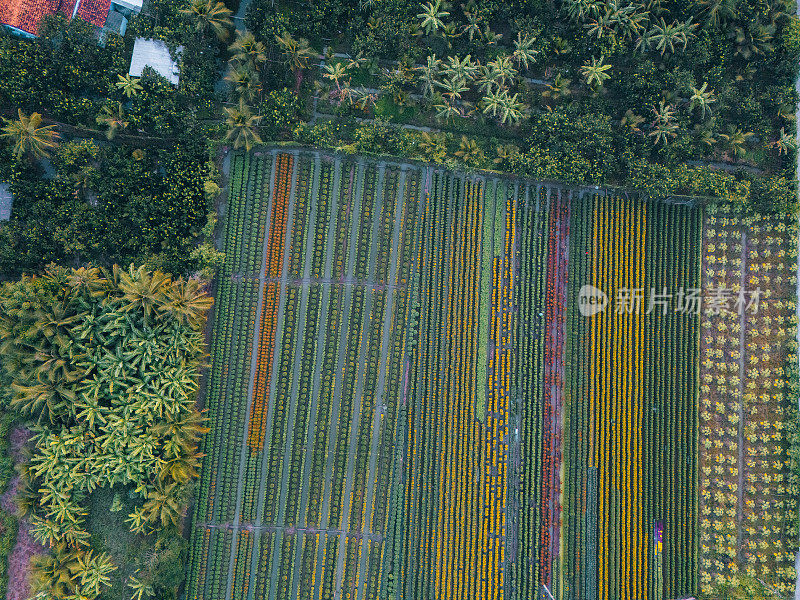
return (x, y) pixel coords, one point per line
(93, 11)
(27, 14)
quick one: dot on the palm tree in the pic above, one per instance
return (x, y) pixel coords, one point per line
(187, 302)
(558, 89)
(632, 121)
(144, 290)
(469, 151)
(429, 71)
(128, 85)
(664, 126)
(595, 73)
(335, 72)
(505, 153)
(702, 98)
(93, 572)
(432, 146)
(784, 143)
(432, 16)
(29, 136)
(718, 12)
(164, 504)
(296, 53)
(245, 81)
(246, 50)
(242, 124)
(141, 589)
(210, 16)
(754, 40)
(113, 120)
(735, 140)
(54, 574)
(523, 50)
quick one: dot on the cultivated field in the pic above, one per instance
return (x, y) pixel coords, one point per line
(406, 401)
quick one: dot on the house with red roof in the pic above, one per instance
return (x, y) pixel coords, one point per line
(24, 16)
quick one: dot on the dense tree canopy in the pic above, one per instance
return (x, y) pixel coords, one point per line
(105, 363)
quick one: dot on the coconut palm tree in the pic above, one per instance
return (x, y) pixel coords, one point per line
(210, 16)
(296, 53)
(469, 151)
(187, 302)
(29, 136)
(666, 36)
(144, 290)
(164, 504)
(596, 72)
(702, 98)
(246, 50)
(114, 120)
(128, 85)
(245, 81)
(735, 140)
(335, 72)
(432, 16)
(242, 124)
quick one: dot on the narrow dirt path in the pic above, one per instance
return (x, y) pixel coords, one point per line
(337, 390)
(379, 407)
(253, 367)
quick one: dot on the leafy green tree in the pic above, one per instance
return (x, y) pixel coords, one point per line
(29, 136)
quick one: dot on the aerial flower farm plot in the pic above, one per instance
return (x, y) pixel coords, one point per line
(430, 384)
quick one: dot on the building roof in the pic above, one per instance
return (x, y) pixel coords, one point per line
(26, 15)
(154, 54)
(5, 202)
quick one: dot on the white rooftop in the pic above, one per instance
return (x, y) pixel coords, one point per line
(5, 202)
(154, 54)
(134, 5)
